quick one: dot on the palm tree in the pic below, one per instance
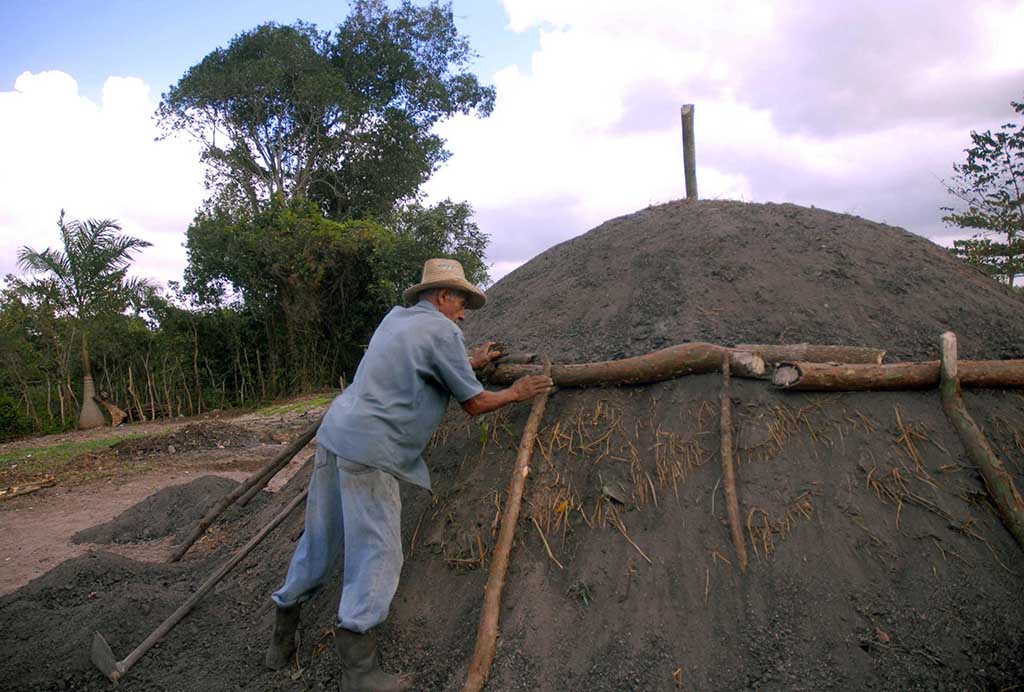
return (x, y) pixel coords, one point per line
(87, 279)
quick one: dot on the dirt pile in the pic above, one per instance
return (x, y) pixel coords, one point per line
(876, 560)
(171, 511)
(193, 437)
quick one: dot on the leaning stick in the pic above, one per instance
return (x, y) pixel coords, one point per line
(103, 657)
(814, 353)
(732, 502)
(665, 364)
(255, 490)
(257, 480)
(997, 480)
(487, 632)
(995, 374)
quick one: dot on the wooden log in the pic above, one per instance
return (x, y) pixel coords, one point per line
(262, 476)
(732, 502)
(27, 488)
(920, 375)
(487, 632)
(998, 481)
(814, 353)
(665, 364)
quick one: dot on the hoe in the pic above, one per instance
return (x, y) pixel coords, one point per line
(103, 657)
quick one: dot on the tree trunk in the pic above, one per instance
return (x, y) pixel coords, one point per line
(812, 353)
(923, 375)
(135, 397)
(90, 415)
(998, 481)
(674, 361)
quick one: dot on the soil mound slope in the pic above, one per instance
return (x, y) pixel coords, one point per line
(731, 272)
(196, 436)
(876, 560)
(170, 511)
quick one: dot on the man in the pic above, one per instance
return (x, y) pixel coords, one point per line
(372, 436)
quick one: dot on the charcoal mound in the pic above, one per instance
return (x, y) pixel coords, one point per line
(171, 511)
(731, 272)
(876, 559)
(192, 437)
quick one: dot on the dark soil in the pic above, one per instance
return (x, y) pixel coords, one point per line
(876, 560)
(171, 511)
(197, 436)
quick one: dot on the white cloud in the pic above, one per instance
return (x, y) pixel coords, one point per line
(854, 107)
(62, 150)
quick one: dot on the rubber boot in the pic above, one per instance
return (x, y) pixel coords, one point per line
(282, 642)
(362, 673)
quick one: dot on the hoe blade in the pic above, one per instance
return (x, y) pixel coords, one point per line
(103, 657)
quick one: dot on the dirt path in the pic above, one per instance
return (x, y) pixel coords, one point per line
(36, 530)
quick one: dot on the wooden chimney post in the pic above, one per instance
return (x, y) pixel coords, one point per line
(689, 154)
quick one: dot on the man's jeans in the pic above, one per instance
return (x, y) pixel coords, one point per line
(357, 508)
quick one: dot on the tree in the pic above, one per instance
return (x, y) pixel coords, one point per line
(87, 280)
(990, 187)
(342, 118)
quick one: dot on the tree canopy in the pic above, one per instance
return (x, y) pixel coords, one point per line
(989, 187)
(344, 118)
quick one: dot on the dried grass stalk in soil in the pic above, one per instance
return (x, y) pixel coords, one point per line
(998, 481)
(257, 480)
(732, 502)
(993, 374)
(813, 353)
(487, 633)
(664, 364)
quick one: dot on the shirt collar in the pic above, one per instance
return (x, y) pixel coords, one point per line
(426, 304)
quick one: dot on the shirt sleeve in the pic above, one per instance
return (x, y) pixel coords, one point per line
(451, 365)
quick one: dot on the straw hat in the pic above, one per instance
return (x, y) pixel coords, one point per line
(445, 273)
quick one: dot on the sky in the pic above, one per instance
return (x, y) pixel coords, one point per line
(859, 107)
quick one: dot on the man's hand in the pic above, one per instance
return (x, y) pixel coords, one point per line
(523, 389)
(482, 355)
(526, 388)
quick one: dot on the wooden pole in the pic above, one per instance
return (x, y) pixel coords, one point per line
(998, 481)
(689, 153)
(814, 353)
(487, 632)
(732, 503)
(261, 476)
(664, 364)
(923, 375)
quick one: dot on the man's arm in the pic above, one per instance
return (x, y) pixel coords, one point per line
(524, 389)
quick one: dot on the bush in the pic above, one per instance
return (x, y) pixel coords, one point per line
(13, 423)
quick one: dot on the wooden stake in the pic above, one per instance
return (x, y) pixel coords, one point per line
(487, 632)
(998, 481)
(732, 503)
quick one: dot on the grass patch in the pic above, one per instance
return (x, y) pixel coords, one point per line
(31, 462)
(297, 405)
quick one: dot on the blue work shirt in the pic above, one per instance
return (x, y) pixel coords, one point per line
(385, 419)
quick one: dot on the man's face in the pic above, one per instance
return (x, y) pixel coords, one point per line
(452, 305)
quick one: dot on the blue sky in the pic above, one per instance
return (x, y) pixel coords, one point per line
(159, 40)
(858, 107)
